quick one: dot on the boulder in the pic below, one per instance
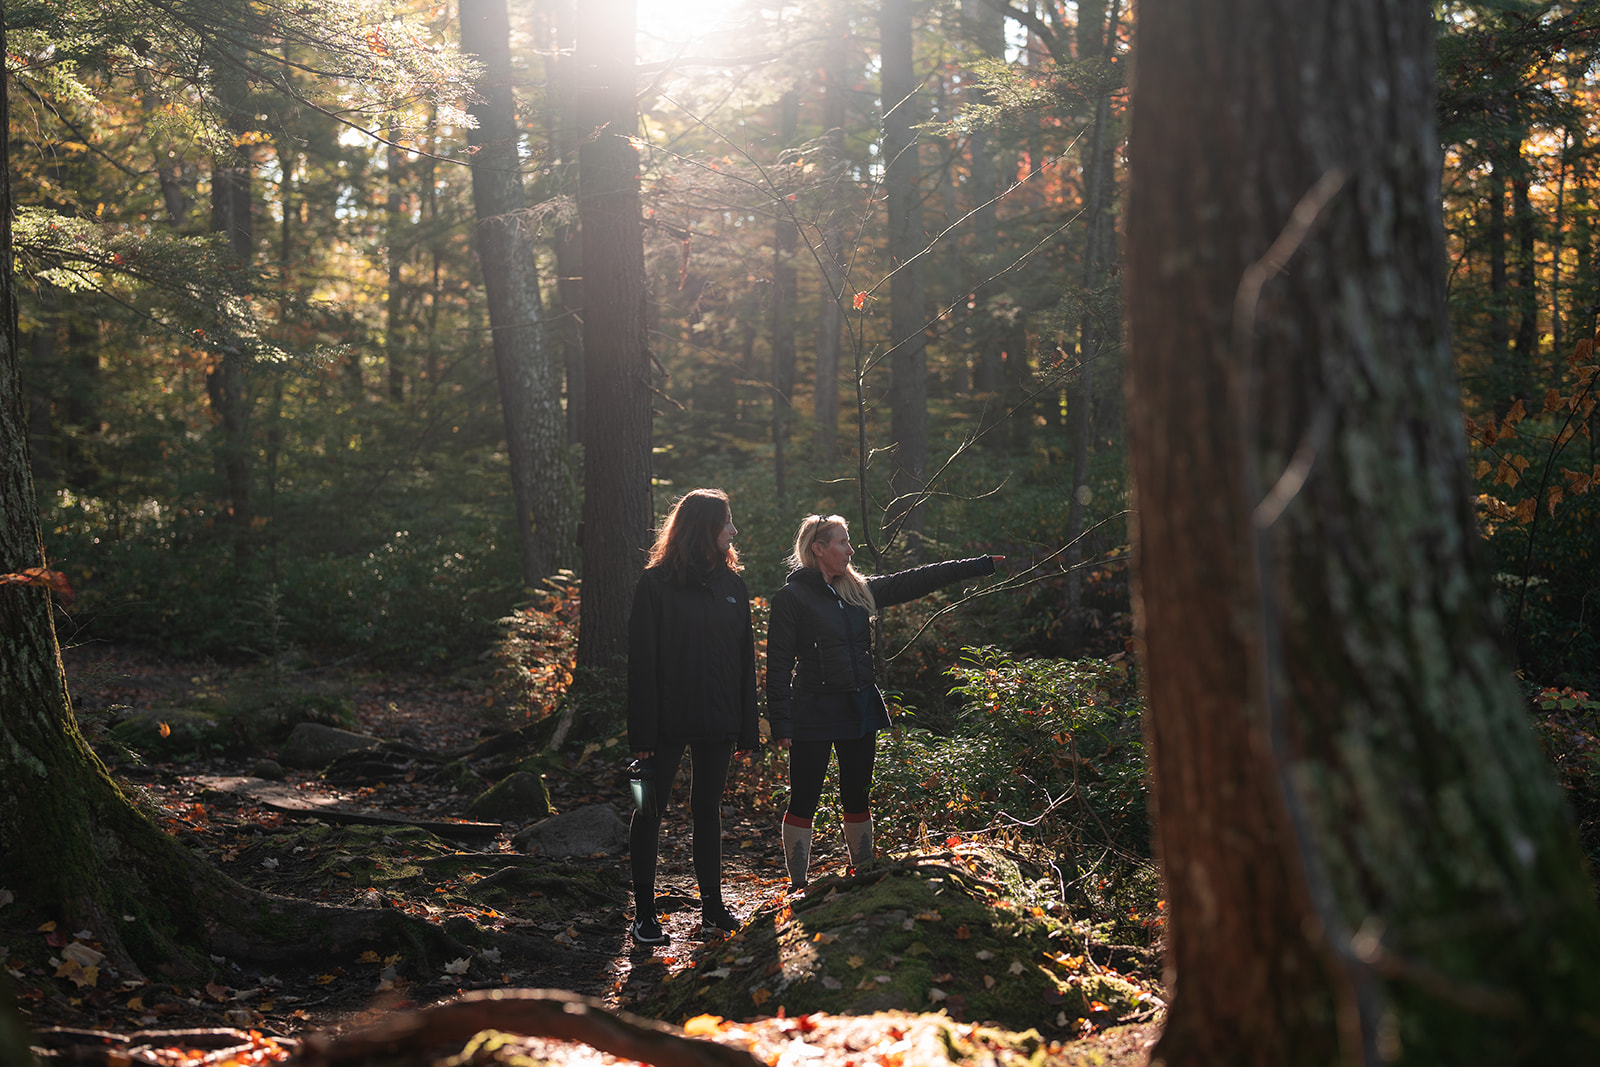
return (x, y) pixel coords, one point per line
(312, 746)
(581, 832)
(518, 797)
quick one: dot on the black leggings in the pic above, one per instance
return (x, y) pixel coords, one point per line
(708, 776)
(808, 765)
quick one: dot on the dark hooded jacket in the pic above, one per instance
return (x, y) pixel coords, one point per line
(691, 660)
(821, 685)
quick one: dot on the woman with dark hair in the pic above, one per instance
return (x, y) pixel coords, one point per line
(822, 696)
(691, 686)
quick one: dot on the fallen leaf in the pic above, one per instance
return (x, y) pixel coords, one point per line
(82, 954)
(962, 933)
(984, 954)
(368, 956)
(458, 966)
(936, 994)
(824, 938)
(830, 982)
(703, 1025)
(1016, 967)
(988, 981)
(761, 996)
(855, 962)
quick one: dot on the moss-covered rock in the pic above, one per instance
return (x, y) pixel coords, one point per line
(518, 797)
(914, 935)
(169, 731)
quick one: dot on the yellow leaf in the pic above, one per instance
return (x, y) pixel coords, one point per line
(324, 979)
(856, 962)
(761, 996)
(368, 956)
(703, 1026)
(165, 730)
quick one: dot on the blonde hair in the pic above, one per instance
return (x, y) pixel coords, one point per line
(851, 585)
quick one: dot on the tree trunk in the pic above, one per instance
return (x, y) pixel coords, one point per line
(1365, 857)
(986, 29)
(225, 381)
(784, 238)
(530, 382)
(1097, 33)
(830, 312)
(565, 137)
(616, 470)
(908, 360)
(397, 247)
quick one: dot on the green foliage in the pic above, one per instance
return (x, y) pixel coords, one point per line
(1049, 749)
(427, 600)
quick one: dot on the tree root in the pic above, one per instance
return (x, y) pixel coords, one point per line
(68, 1045)
(534, 1012)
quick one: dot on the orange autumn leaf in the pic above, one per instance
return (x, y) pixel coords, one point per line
(860, 301)
(54, 581)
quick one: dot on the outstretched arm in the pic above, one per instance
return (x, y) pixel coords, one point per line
(891, 589)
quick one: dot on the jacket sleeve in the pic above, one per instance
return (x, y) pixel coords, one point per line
(891, 589)
(782, 637)
(749, 733)
(644, 645)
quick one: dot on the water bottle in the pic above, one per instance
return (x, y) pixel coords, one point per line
(642, 784)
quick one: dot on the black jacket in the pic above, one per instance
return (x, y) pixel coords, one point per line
(820, 680)
(691, 661)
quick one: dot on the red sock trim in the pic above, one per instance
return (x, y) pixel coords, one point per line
(795, 820)
(858, 816)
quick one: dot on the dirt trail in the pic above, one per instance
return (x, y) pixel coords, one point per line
(563, 925)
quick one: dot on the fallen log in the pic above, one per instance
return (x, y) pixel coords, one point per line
(551, 1013)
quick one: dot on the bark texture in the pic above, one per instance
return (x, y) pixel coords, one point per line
(1366, 858)
(525, 363)
(616, 471)
(908, 356)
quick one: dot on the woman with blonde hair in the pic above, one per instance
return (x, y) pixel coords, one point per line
(691, 686)
(822, 694)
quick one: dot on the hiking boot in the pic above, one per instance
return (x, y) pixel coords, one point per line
(719, 918)
(647, 931)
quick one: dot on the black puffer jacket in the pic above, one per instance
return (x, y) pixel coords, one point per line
(820, 680)
(691, 661)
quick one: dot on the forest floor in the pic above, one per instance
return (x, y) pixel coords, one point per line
(578, 918)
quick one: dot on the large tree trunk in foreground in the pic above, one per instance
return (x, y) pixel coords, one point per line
(1366, 859)
(525, 364)
(616, 466)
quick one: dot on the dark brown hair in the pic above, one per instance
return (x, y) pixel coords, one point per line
(688, 536)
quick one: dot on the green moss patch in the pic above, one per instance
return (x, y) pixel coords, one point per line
(915, 935)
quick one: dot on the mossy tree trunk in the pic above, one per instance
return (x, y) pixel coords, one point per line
(71, 845)
(1366, 859)
(524, 358)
